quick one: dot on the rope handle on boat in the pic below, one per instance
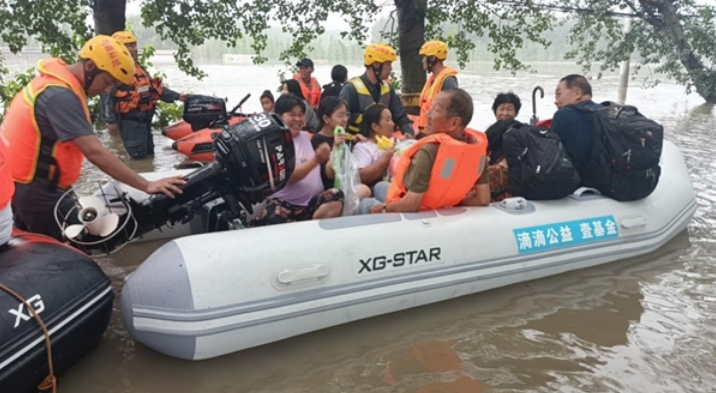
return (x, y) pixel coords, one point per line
(50, 382)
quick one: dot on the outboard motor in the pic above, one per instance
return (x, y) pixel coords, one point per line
(203, 111)
(254, 158)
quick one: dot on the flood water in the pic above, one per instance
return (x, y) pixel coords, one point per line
(646, 324)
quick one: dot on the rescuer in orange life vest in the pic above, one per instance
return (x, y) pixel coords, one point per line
(441, 77)
(128, 111)
(310, 87)
(47, 133)
(448, 167)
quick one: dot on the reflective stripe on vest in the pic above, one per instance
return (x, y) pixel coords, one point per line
(457, 167)
(312, 95)
(365, 99)
(30, 154)
(7, 185)
(433, 86)
(142, 94)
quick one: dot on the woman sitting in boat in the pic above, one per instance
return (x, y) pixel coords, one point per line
(303, 198)
(293, 87)
(448, 167)
(506, 107)
(373, 162)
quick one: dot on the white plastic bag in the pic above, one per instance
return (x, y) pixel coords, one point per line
(347, 177)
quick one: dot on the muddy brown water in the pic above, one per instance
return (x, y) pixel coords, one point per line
(645, 324)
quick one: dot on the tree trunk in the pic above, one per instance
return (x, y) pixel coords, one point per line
(109, 16)
(703, 79)
(411, 30)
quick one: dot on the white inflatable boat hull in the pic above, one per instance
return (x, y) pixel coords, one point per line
(203, 296)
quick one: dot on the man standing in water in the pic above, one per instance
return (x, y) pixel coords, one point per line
(310, 88)
(371, 88)
(441, 77)
(129, 110)
(48, 132)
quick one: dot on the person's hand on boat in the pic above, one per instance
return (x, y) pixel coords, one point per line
(113, 129)
(323, 152)
(167, 186)
(339, 139)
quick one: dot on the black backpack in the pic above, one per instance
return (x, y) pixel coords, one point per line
(625, 153)
(539, 166)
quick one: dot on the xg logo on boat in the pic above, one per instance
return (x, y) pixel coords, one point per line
(36, 303)
(399, 260)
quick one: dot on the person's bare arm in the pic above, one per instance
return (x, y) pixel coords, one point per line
(108, 163)
(374, 172)
(480, 196)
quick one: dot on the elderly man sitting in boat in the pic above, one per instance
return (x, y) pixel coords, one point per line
(446, 168)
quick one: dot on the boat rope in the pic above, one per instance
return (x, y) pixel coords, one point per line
(50, 382)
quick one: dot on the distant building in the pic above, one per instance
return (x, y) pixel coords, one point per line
(232, 58)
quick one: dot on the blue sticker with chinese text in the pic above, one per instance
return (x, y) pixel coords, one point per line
(565, 234)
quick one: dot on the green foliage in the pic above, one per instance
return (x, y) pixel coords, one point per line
(675, 36)
(502, 31)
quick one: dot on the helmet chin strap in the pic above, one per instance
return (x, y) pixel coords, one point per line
(431, 62)
(89, 76)
(377, 70)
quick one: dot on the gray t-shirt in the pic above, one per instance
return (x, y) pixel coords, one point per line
(60, 116)
(449, 83)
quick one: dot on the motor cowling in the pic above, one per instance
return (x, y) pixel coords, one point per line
(201, 111)
(258, 154)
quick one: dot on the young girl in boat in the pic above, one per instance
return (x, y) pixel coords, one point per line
(373, 162)
(304, 197)
(333, 113)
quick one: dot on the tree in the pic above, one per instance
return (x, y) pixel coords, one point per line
(677, 36)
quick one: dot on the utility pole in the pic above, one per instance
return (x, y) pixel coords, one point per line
(624, 68)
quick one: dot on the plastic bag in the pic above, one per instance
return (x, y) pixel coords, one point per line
(400, 148)
(347, 177)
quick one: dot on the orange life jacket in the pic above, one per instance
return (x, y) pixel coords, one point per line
(312, 94)
(29, 153)
(7, 185)
(433, 86)
(143, 93)
(457, 167)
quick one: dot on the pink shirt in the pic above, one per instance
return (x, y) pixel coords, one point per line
(301, 192)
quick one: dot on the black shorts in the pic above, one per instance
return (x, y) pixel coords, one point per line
(279, 211)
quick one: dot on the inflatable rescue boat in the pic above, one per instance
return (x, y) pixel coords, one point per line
(70, 294)
(207, 295)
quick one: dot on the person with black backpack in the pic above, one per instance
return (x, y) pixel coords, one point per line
(572, 122)
(614, 147)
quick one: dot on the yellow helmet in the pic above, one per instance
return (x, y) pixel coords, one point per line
(125, 37)
(438, 49)
(378, 53)
(110, 56)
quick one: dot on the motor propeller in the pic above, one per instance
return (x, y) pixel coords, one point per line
(94, 217)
